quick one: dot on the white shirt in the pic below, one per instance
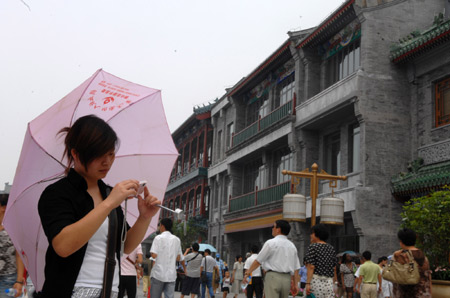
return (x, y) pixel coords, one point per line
(93, 266)
(249, 262)
(126, 267)
(167, 247)
(279, 255)
(210, 264)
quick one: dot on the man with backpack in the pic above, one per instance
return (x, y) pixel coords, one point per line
(191, 284)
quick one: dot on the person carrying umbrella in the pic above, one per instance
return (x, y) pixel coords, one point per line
(74, 214)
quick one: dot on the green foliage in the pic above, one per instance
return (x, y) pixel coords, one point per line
(194, 232)
(429, 217)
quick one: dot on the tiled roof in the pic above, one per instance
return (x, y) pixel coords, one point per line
(204, 108)
(418, 42)
(284, 48)
(427, 177)
(327, 23)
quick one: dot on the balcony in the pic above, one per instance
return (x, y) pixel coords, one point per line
(259, 197)
(187, 175)
(263, 123)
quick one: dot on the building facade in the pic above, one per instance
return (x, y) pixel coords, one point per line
(423, 56)
(329, 95)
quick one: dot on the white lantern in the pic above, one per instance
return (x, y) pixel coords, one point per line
(332, 211)
(294, 207)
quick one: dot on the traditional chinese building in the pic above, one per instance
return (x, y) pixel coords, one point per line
(329, 95)
(423, 56)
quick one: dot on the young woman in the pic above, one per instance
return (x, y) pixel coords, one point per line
(347, 270)
(238, 276)
(74, 213)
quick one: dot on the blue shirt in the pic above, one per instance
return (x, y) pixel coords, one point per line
(302, 272)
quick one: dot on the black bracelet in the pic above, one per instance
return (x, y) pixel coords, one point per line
(19, 282)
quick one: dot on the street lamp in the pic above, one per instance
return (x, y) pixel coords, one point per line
(332, 209)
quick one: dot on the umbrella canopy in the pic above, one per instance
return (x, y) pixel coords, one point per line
(349, 252)
(204, 246)
(146, 152)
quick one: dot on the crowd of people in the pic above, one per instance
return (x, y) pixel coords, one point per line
(92, 251)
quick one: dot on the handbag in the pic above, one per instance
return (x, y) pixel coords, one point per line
(402, 274)
(204, 277)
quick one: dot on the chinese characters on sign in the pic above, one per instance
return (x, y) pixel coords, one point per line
(109, 97)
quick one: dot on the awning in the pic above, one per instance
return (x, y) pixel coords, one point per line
(253, 222)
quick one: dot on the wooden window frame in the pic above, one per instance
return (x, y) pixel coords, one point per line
(441, 87)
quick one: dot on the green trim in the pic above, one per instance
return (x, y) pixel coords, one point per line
(416, 40)
(426, 178)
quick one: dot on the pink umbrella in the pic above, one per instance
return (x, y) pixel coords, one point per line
(146, 153)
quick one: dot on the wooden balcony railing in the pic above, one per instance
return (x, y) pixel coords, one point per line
(259, 197)
(264, 122)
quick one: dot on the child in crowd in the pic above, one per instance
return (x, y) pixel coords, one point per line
(226, 284)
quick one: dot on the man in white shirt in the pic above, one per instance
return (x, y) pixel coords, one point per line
(256, 283)
(208, 265)
(128, 273)
(279, 259)
(166, 250)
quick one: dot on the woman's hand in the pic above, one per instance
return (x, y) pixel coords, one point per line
(121, 191)
(308, 289)
(147, 205)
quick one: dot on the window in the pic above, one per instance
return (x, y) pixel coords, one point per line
(219, 145)
(254, 175)
(283, 160)
(443, 102)
(285, 91)
(230, 131)
(333, 154)
(345, 62)
(354, 148)
(256, 109)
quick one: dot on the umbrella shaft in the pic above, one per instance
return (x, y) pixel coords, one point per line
(164, 207)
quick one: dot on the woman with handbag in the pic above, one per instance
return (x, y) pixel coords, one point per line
(407, 238)
(82, 218)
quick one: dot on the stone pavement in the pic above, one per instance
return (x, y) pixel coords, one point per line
(178, 294)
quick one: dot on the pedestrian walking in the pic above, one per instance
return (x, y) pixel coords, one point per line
(209, 265)
(255, 285)
(347, 274)
(321, 264)
(166, 250)
(369, 277)
(386, 286)
(193, 258)
(129, 264)
(279, 259)
(147, 264)
(237, 276)
(407, 238)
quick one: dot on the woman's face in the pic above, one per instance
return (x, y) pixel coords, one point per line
(313, 238)
(348, 258)
(98, 168)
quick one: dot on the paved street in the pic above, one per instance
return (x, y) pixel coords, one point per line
(178, 294)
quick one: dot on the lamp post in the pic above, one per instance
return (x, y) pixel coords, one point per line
(315, 177)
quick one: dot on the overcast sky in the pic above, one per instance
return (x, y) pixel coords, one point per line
(190, 49)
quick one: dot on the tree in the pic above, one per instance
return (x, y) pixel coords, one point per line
(429, 217)
(194, 231)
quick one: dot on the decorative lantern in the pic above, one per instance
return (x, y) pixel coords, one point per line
(332, 211)
(294, 207)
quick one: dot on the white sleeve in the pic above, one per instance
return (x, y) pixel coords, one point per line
(155, 246)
